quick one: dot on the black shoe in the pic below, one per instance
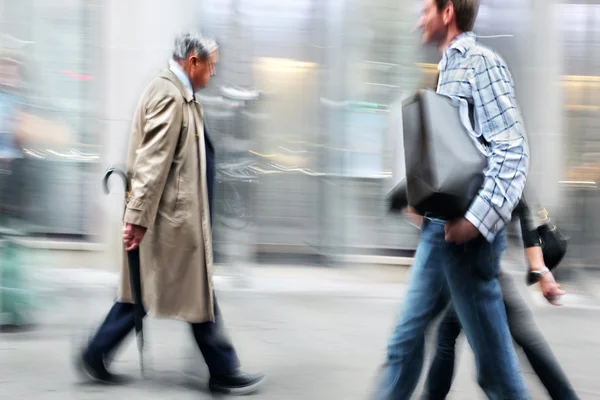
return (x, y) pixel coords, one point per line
(96, 370)
(237, 383)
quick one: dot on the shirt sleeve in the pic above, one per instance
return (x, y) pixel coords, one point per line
(498, 118)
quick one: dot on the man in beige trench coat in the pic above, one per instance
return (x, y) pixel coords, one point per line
(171, 171)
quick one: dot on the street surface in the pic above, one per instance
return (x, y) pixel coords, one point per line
(317, 333)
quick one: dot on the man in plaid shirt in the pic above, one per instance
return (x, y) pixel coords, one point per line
(480, 76)
(458, 261)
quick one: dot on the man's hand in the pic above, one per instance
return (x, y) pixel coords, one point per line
(460, 231)
(132, 236)
(550, 289)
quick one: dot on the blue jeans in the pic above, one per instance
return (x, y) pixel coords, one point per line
(441, 372)
(467, 276)
(525, 334)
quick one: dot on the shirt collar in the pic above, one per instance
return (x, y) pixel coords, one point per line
(181, 75)
(461, 44)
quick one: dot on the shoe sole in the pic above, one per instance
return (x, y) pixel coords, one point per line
(241, 391)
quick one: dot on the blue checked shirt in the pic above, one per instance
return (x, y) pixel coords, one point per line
(478, 75)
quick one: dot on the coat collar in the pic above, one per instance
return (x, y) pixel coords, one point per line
(181, 74)
(170, 76)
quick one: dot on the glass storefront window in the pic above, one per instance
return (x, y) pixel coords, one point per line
(55, 43)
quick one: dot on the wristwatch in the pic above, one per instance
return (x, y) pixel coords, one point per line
(536, 276)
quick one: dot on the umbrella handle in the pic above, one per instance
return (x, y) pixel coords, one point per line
(119, 172)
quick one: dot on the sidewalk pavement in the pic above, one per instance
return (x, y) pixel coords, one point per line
(317, 333)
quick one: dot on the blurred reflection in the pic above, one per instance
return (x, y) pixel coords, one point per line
(9, 103)
(10, 134)
(298, 112)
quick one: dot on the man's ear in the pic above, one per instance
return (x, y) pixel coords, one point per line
(448, 13)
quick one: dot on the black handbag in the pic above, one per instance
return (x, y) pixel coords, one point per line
(552, 242)
(445, 162)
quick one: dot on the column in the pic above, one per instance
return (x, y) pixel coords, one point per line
(541, 98)
(137, 41)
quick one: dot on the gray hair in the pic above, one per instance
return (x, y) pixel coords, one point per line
(193, 43)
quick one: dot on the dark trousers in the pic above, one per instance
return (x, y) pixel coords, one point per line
(525, 334)
(217, 350)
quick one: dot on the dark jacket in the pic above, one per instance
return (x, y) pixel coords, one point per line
(210, 170)
(528, 230)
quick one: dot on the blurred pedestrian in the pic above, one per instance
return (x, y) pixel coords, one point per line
(168, 217)
(16, 300)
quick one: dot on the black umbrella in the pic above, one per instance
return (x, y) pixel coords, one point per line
(133, 258)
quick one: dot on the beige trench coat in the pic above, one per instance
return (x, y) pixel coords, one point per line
(167, 170)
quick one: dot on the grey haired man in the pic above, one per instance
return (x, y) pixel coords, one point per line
(167, 218)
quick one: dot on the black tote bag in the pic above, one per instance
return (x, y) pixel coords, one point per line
(445, 162)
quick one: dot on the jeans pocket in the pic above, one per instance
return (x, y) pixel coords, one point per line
(484, 259)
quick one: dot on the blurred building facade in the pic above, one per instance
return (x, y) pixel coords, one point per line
(298, 112)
